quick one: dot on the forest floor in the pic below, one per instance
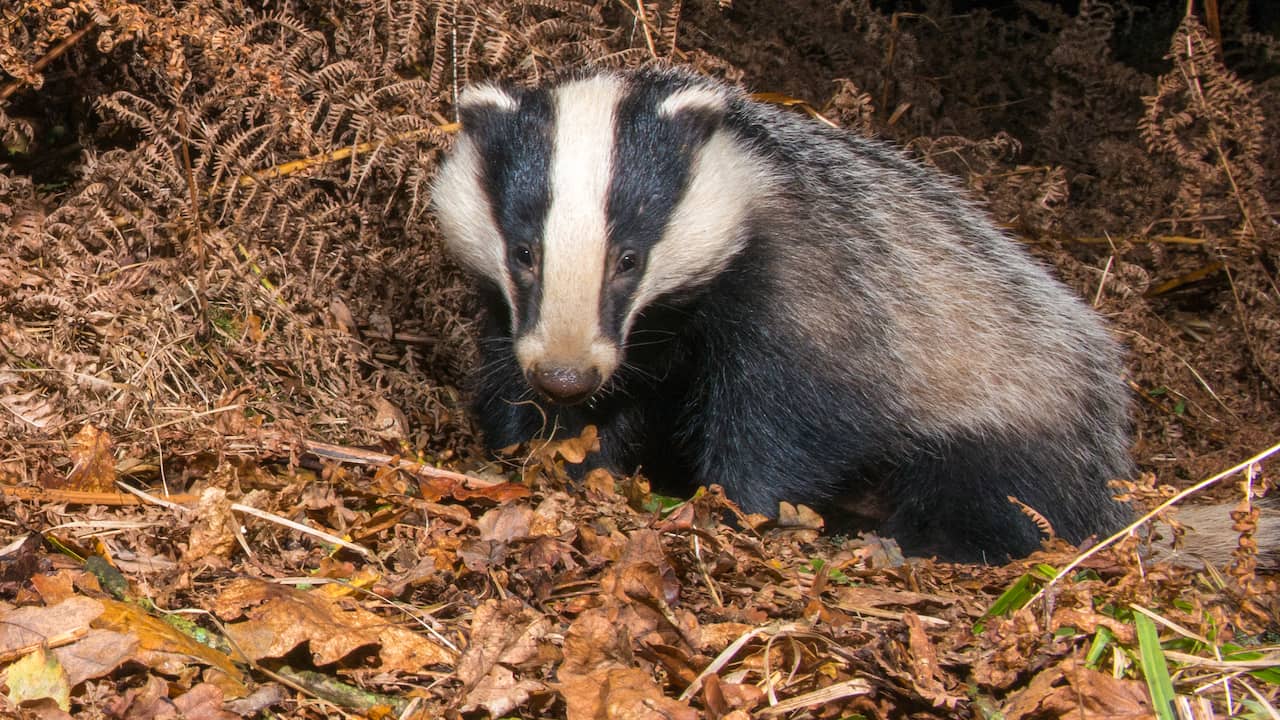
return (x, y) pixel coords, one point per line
(238, 477)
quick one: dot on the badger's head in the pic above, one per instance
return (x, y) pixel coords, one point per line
(585, 201)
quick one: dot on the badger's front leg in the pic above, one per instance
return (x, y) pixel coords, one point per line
(755, 437)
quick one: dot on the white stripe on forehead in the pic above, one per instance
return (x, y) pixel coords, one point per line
(575, 236)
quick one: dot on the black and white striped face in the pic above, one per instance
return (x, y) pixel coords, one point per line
(588, 200)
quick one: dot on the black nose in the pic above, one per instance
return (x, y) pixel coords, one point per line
(564, 384)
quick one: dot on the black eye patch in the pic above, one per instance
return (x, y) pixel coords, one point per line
(653, 155)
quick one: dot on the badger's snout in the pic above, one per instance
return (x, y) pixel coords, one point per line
(565, 385)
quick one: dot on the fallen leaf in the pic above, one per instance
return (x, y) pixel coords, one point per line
(505, 523)
(153, 702)
(36, 676)
(36, 408)
(643, 570)
(480, 555)
(213, 535)
(675, 661)
(143, 703)
(1001, 669)
(24, 560)
(620, 694)
(389, 422)
(718, 636)
(1070, 691)
(283, 618)
(502, 631)
(161, 645)
(434, 489)
(341, 315)
(600, 483)
(798, 516)
(26, 628)
(553, 517)
(926, 674)
(55, 588)
(498, 493)
(713, 697)
(740, 696)
(595, 640)
(573, 450)
(97, 654)
(202, 702)
(548, 552)
(498, 692)
(93, 465)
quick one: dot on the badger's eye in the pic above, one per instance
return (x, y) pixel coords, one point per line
(627, 263)
(524, 256)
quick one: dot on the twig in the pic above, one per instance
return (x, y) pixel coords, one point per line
(823, 696)
(193, 416)
(57, 51)
(197, 227)
(728, 653)
(1163, 239)
(168, 502)
(295, 166)
(1184, 279)
(1227, 665)
(890, 614)
(784, 100)
(327, 537)
(1106, 273)
(1214, 21)
(356, 456)
(82, 497)
(1156, 511)
(702, 570)
(1262, 700)
(644, 26)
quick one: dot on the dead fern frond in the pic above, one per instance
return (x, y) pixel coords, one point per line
(669, 36)
(442, 44)
(1042, 523)
(1207, 121)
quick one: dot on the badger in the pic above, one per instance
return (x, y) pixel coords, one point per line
(735, 294)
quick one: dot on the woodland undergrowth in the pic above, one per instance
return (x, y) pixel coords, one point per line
(216, 249)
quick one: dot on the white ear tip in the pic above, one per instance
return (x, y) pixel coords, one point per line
(478, 96)
(695, 99)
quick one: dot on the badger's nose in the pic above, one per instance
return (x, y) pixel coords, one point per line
(565, 384)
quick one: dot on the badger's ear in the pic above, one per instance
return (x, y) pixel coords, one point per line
(479, 105)
(488, 96)
(699, 108)
(701, 99)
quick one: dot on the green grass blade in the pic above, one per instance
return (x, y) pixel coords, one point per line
(1101, 641)
(1154, 667)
